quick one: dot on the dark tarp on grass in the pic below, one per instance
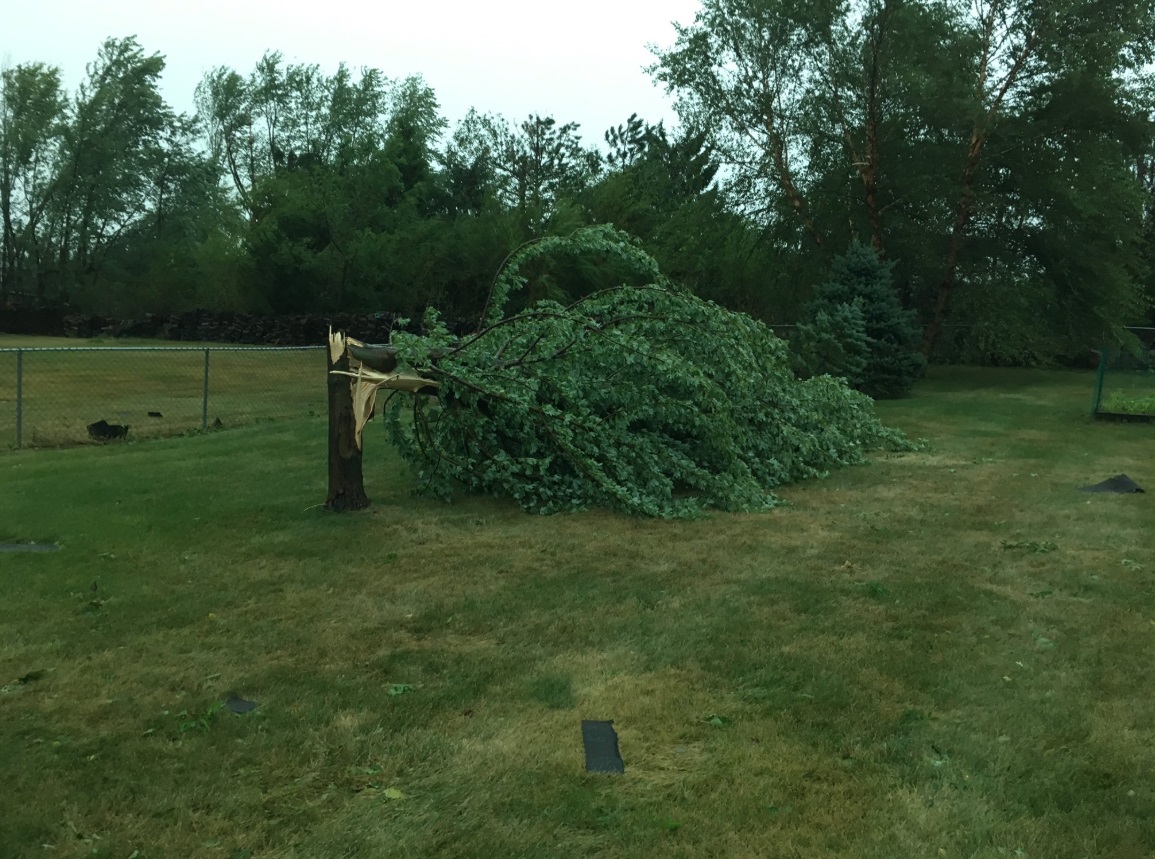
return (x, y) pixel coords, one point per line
(1120, 483)
(601, 744)
(240, 705)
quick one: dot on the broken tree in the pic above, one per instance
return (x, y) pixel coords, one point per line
(356, 372)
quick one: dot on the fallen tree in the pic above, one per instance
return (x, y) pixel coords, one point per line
(643, 399)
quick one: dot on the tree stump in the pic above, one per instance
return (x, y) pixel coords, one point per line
(346, 480)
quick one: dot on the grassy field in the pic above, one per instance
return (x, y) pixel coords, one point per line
(154, 393)
(941, 654)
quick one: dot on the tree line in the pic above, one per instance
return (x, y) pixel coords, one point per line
(998, 155)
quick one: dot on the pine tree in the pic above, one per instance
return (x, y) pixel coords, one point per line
(831, 341)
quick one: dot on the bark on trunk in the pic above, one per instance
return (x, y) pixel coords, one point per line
(346, 481)
(786, 181)
(966, 206)
(962, 220)
(870, 175)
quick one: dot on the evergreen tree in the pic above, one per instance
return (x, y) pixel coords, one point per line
(857, 328)
(834, 343)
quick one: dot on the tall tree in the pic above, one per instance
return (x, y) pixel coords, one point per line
(905, 99)
(111, 152)
(747, 69)
(283, 115)
(663, 188)
(535, 168)
(33, 108)
(158, 262)
(412, 132)
(355, 232)
(78, 175)
(1145, 176)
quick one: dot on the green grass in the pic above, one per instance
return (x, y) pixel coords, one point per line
(944, 653)
(1122, 404)
(1129, 384)
(63, 392)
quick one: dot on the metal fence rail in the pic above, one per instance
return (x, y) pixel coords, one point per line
(50, 395)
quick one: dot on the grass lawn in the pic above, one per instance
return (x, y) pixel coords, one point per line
(942, 654)
(155, 393)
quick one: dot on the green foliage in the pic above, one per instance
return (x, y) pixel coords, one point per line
(858, 329)
(192, 721)
(1123, 404)
(603, 245)
(533, 170)
(662, 188)
(78, 176)
(32, 107)
(284, 116)
(298, 190)
(991, 148)
(643, 399)
(833, 341)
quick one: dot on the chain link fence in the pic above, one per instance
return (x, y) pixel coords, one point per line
(52, 396)
(1125, 382)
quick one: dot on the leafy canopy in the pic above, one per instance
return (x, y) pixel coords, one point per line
(643, 399)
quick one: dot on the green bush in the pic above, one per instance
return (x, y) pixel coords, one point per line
(832, 342)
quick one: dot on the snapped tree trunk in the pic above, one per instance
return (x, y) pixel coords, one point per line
(346, 481)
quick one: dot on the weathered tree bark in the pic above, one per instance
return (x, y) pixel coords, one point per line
(346, 481)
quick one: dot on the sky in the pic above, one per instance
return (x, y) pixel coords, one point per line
(578, 62)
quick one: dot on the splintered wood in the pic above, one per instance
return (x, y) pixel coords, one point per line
(366, 381)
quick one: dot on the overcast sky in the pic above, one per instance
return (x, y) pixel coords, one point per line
(578, 62)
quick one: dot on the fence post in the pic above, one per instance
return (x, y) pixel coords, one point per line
(205, 401)
(19, 396)
(1100, 373)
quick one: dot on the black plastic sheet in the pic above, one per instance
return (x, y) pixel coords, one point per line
(601, 745)
(1120, 484)
(240, 705)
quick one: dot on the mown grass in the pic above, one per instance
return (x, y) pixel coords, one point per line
(155, 393)
(944, 653)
